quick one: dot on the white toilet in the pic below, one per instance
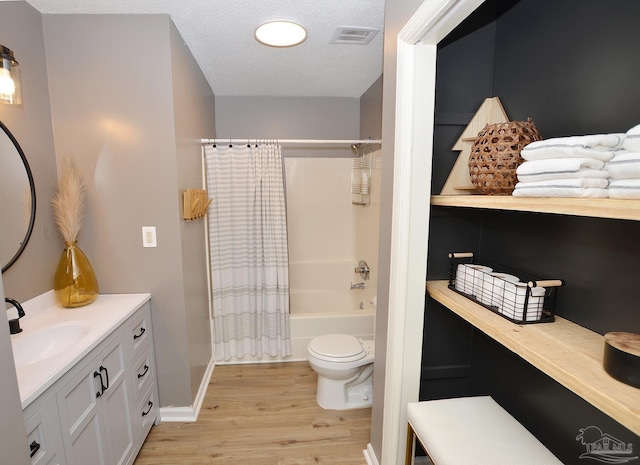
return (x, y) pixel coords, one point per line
(344, 365)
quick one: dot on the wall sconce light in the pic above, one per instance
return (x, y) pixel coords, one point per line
(10, 82)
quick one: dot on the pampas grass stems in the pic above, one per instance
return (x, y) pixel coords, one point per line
(68, 204)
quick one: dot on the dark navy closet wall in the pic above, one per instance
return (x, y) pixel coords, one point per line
(573, 66)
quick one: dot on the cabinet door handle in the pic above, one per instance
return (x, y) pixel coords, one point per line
(136, 336)
(144, 414)
(96, 374)
(106, 374)
(146, 368)
(34, 447)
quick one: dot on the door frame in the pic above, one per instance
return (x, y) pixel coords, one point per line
(413, 148)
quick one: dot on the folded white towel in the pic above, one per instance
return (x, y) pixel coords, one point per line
(592, 141)
(561, 168)
(597, 146)
(566, 192)
(632, 139)
(624, 189)
(568, 182)
(577, 187)
(625, 165)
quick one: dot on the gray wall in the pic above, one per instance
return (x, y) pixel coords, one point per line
(12, 430)
(30, 123)
(371, 111)
(132, 122)
(194, 118)
(31, 275)
(290, 118)
(137, 145)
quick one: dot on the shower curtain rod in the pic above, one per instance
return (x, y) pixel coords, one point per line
(292, 141)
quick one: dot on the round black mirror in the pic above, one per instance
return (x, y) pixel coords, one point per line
(17, 199)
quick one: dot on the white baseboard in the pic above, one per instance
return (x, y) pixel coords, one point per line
(177, 414)
(189, 414)
(370, 456)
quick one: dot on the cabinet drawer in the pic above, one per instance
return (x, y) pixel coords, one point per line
(143, 373)
(147, 412)
(43, 434)
(140, 333)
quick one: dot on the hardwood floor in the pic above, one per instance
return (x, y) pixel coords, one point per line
(261, 415)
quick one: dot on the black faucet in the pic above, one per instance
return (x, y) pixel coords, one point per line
(14, 325)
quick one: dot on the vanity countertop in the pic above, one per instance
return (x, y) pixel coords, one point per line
(99, 318)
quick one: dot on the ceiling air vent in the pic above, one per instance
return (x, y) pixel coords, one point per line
(353, 35)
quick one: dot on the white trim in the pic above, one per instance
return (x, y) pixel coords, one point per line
(177, 414)
(204, 384)
(189, 414)
(370, 455)
(435, 19)
(409, 243)
(416, 64)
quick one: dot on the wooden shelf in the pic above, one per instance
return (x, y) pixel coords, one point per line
(567, 352)
(599, 208)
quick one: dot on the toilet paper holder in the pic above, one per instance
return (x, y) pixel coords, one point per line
(362, 269)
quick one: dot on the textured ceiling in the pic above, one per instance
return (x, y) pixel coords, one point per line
(219, 33)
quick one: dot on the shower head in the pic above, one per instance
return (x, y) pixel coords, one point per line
(355, 148)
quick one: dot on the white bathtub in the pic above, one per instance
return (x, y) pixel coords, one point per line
(324, 287)
(322, 302)
(306, 327)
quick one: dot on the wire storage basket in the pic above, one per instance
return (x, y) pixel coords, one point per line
(516, 298)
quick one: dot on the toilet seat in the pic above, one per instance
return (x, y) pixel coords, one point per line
(339, 348)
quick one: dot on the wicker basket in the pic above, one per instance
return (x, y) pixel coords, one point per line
(495, 155)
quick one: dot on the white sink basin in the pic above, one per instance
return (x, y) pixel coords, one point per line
(36, 346)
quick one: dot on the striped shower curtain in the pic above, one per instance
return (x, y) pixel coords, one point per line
(248, 250)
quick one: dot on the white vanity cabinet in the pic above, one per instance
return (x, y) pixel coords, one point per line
(144, 375)
(101, 409)
(43, 433)
(95, 409)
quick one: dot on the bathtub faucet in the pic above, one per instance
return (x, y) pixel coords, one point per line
(357, 286)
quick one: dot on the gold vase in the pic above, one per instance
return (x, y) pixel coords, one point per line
(75, 282)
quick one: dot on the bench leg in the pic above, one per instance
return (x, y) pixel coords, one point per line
(411, 446)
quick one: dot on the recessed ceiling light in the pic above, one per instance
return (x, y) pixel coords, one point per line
(280, 34)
